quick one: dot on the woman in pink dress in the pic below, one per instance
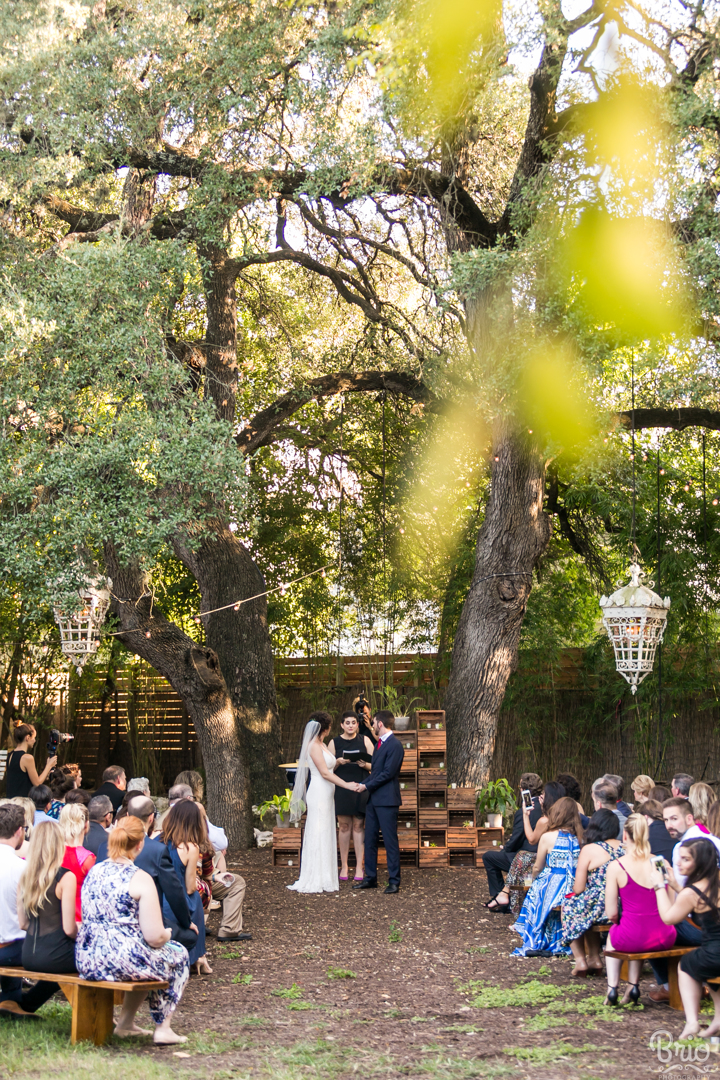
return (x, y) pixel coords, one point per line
(75, 823)
(630, 904)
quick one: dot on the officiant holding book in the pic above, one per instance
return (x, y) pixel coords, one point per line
(383, 787)
(353, 752)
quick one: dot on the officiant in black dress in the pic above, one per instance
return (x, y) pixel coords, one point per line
(353, 752)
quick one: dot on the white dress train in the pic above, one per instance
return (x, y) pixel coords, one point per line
(318, 865)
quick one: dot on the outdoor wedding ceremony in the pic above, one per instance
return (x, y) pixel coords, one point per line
(360, 539)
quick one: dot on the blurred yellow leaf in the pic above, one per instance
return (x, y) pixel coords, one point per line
(627, 273)
(550, 390)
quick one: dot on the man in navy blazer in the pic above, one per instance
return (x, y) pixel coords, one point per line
(383, 804)
(155, 860)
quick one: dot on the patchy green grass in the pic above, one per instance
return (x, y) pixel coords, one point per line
(483, 996)
(575, 1013)
(480, 949)
(243, 980)
(395, 935)
(293, 991)
(301, 1006)
(230, 954)
(214, 1042)
(545, 1055)
(340, 973)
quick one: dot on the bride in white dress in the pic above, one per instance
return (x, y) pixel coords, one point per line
(318, 865)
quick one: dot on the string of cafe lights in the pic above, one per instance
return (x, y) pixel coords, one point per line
(282, 588)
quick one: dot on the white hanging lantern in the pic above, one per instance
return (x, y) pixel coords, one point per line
(80, 629)
(635, 619)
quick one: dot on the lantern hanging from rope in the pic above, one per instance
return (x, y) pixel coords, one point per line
(80, 628)
(635, 619)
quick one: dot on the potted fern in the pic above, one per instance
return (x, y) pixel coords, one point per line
(495, 800)
(399, 705)
(278, 805)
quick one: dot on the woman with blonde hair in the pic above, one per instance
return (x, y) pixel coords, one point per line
(641, 786)
(122, 935)
(75, 822)
(701, 798)
(46, 904)
(630, 879)
(29, 810)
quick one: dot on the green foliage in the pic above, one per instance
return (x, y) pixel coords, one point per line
(243, 980)
(278, 804)
(545, 1055)
(497, 797)
(532, 993)
(293, 992)
(340, 973)
(395, 934)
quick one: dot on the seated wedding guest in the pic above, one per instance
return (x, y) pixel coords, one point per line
(661, 842)
(680, 785)
(604, 797)
(619, 784)
(100, 812)
(713, 821)
(60, 784)
(122, 935)
(660, 794)
(353, 760)
(554, 874)
(547, 798)
(13, 999)
(41, 797)
(74, 823)
(195, 782)
(701, 797)
(573, 791)
(176, 794)
(185, 835)
(79, 795)
(154, 859)
(639, 928)
(517, 856)
(642, 787)
(139, 784)
(21, 774)
(680, 823)
(74, 770)
(113, 785)
(587, 904)
(28, 807)
(46, 904)
(698, 899)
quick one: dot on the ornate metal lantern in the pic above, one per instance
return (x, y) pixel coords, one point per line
(635, 619)
(80, 629)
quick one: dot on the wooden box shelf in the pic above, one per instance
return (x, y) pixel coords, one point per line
(432, 779)
(408, 799)
(287, 838)
(433, 819)
(437, 856)
(410, 760)
(286, 857)
(429, 716)
(457, 818)
(461, 857)
(432, 740)
(408, 839)
(461, 798)
(486, 838)
(462, 838)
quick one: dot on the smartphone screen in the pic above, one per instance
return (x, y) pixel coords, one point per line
(527, 799)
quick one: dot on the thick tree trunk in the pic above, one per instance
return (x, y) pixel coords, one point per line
(514, 535)
(195, 674)
(225, 573)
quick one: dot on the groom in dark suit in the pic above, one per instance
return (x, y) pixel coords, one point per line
(383, 803)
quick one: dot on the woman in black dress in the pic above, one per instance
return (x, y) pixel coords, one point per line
(353, 752)
(21, 772)
(697, 860)
(46, 906)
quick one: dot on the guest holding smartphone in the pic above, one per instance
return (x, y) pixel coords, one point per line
(353, 752)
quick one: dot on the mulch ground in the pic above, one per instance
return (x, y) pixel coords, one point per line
(409, 1007)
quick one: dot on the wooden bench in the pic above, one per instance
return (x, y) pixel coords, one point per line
(673, 959)
(92, 1002)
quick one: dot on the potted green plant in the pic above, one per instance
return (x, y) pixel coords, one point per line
(495, 799)
(278, 805)
(399, 705)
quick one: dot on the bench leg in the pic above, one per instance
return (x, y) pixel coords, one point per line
(68, 990)
(92, 1017)
(624, 973)
(675, 999)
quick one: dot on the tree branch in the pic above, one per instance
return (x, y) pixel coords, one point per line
(678, 419)
(262, 429)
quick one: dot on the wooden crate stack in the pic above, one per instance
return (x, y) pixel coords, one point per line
(437, 824)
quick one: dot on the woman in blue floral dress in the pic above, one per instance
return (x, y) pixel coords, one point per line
(122, 935)
(554, 873)
(587, 905)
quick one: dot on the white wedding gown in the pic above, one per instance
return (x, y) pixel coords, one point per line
(318, 865)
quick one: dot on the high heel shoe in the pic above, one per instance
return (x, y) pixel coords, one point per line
(632, 996)
(612, 996)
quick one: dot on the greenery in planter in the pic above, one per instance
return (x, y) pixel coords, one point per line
(279, 804)
(399, 704)
(497, 797)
